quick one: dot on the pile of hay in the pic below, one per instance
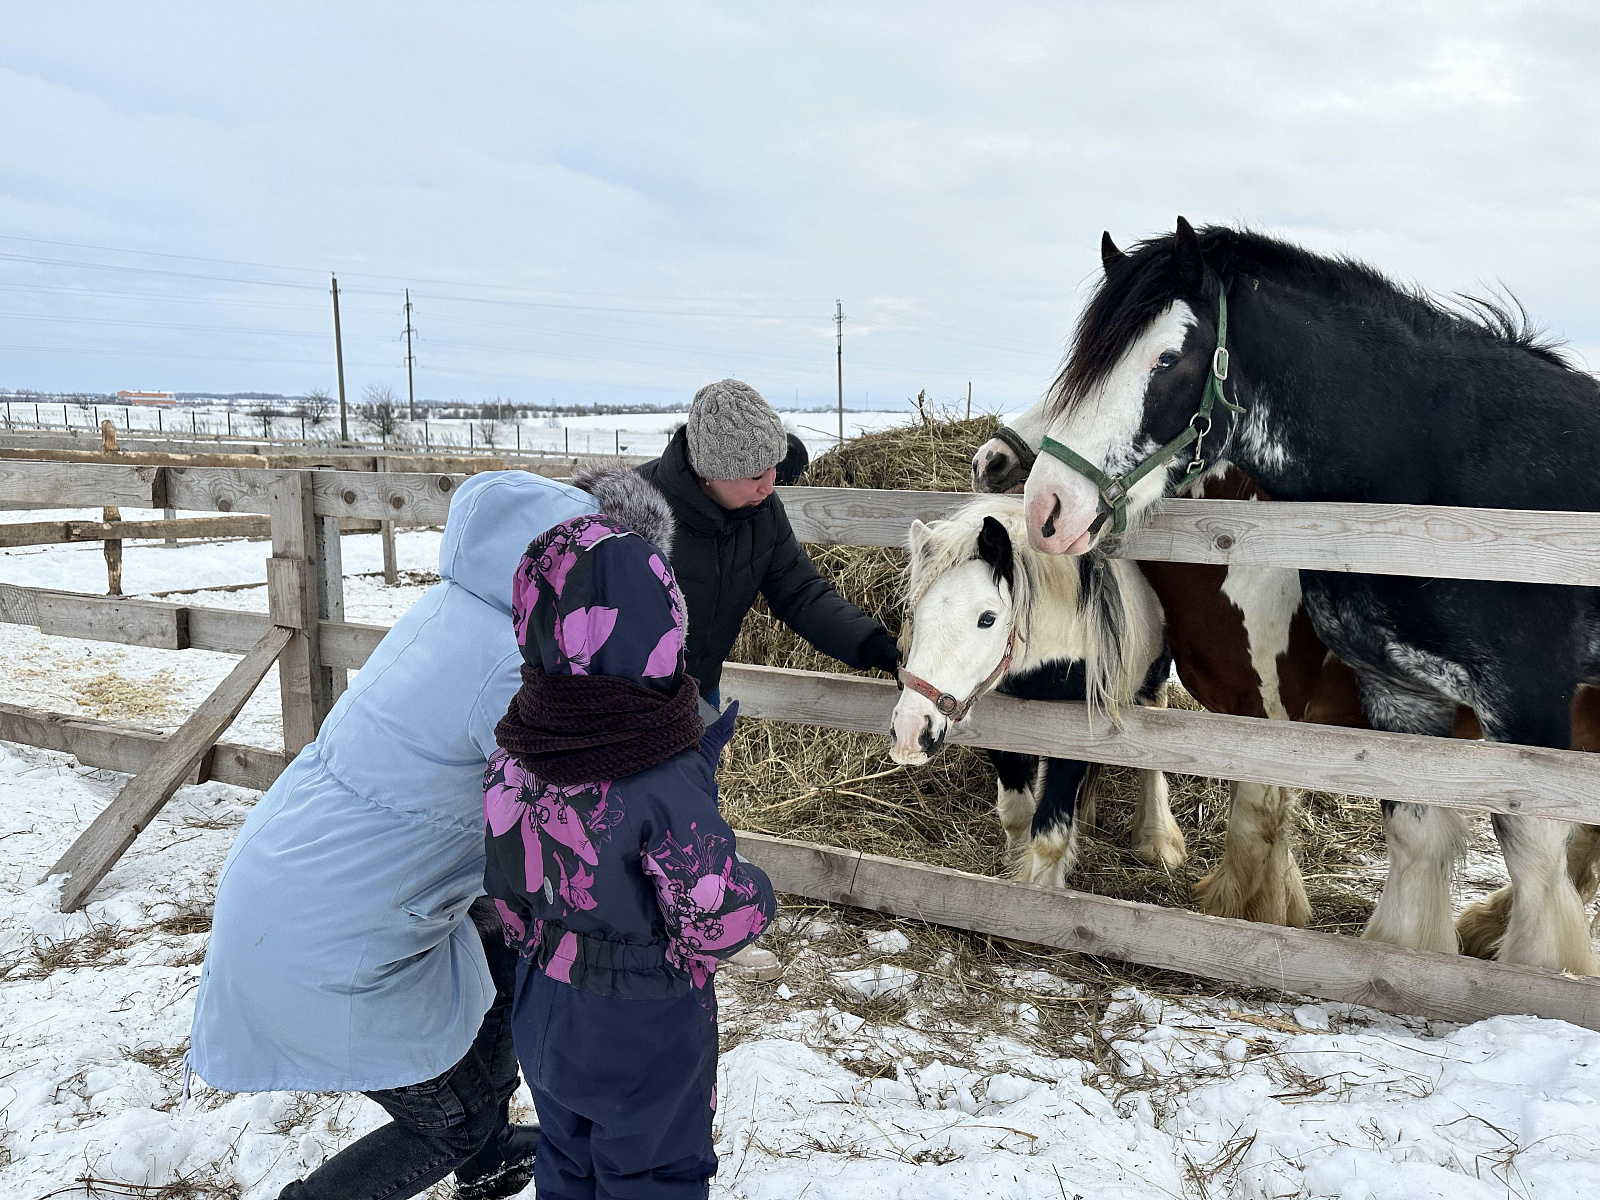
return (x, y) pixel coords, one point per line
(843, 789)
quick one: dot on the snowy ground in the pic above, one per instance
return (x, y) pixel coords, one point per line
(885, 1066)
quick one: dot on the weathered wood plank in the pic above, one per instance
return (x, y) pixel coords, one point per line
(329, 562)
(119, 748)
(73, 485)
(47, 533)
(1386, 539)
(224, 629)
(97, 618)
(98, 848)
(349, 645)
(403, 498)
(285, 587)
(293, 590)
(1526, 780)
(217, 489)
(1347, 970)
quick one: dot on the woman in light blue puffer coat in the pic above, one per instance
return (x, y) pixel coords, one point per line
(342, 954)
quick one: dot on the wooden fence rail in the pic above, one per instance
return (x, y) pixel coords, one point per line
(1418, 540)
(1481, 776)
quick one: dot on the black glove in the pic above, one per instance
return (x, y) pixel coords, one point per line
(879, 652)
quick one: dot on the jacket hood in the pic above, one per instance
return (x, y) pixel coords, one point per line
(492, 519)
(592, 597)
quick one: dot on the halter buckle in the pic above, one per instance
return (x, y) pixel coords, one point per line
(1219, 363)
(1116, 492)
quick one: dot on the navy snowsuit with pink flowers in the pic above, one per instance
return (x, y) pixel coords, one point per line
(622, 894)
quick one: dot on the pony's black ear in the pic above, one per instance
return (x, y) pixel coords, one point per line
(1187, 265)
(1110, 256)
(994, 548)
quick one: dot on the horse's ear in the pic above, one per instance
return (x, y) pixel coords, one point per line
(919, 538)
(994, 548)
(1187, 265)
(1110, 256)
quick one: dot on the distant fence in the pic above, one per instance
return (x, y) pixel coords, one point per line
(305, 596)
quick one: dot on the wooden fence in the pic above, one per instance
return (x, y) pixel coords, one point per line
(305, 598)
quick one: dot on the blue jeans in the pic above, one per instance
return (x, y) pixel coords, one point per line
(451, 1123)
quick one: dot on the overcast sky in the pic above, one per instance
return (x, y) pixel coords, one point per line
(624, 201)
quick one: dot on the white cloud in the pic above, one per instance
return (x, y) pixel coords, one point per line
(679, 191)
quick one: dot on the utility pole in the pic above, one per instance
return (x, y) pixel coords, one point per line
(338, 350)
(838, 333)
(969, 399)
(411, 391)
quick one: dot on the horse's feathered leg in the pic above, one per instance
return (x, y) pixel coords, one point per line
(1015, 801)
(1258, 877)
(1053, 843)
(1546, 926)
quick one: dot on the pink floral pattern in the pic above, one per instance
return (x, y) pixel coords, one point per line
(580, 635)
(561, 827)
(709, 903)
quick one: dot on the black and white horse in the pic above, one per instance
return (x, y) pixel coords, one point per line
(987, 611)
(1350, 387)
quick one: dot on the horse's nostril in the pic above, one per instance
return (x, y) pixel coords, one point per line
(1049, 527)
(927, 739)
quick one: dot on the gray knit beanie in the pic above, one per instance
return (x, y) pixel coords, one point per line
(733, 433)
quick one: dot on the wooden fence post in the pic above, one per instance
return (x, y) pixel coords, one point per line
(330, 601)
(292, 600)
(391, 565)
(108, 441)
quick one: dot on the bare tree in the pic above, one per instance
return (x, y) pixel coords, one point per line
(314, 407)
(265, 411)
(382, 411)
(489, 433)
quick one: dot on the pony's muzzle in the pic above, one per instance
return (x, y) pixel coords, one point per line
(916, 731)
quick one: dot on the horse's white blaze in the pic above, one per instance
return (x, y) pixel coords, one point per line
(950, 651)
(1268, 597)
(1414, 910)
(1103, 428)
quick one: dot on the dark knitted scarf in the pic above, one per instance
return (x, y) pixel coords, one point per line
(571, 729)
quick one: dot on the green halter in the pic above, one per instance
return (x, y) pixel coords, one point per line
(1114, 489)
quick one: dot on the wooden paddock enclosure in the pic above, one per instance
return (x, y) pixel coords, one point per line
(319, 648)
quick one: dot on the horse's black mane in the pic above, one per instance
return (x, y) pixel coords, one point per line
(1139, 287)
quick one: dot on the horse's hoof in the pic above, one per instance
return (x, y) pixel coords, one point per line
(1163, 850)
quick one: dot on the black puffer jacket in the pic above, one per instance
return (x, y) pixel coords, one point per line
(723, 559)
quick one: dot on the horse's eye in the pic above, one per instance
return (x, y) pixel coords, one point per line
(1168, 360)
(985, 621)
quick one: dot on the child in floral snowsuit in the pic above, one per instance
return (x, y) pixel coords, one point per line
(613, 869)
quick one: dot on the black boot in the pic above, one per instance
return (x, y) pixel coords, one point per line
(502, 1168)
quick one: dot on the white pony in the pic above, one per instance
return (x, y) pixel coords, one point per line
(987, 611)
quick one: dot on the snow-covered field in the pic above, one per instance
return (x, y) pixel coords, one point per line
(883, 1067)
(628, 433)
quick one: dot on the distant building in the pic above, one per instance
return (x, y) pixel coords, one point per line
(163, 399)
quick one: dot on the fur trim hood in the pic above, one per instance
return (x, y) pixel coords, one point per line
(625, 497)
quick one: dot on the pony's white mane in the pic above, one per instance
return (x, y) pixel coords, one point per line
(1097, 609)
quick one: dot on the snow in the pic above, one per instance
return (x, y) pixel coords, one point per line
(873, 1090)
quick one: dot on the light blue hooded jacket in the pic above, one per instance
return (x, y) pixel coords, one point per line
(341, 955)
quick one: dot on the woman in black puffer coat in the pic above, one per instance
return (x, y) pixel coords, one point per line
(734, 540)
